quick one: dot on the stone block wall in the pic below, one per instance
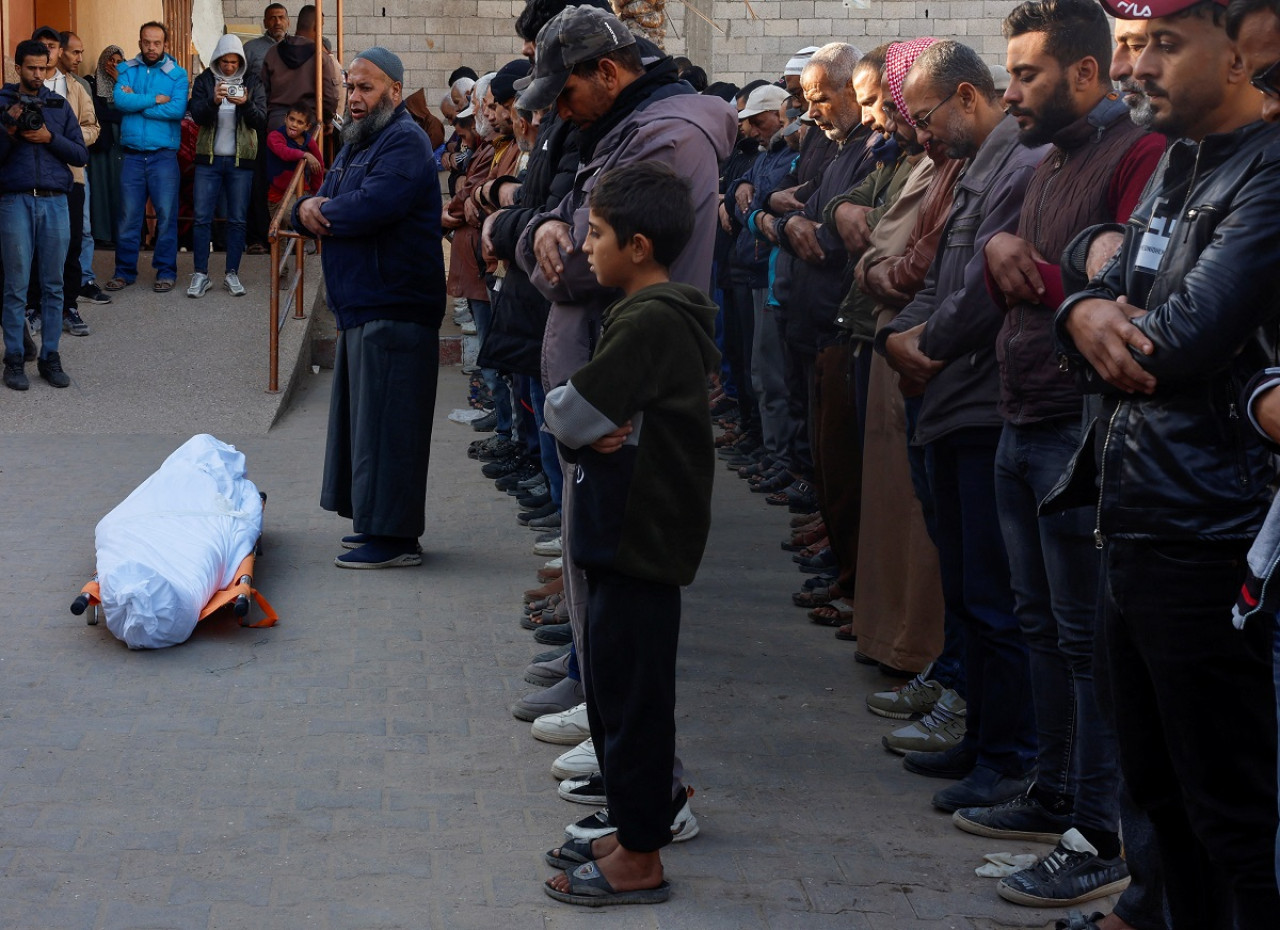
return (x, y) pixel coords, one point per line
(435, 36)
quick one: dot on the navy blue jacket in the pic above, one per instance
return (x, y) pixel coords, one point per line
(25, 166)
(752, 251)
(383, 259)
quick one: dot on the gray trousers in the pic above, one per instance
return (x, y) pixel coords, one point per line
(769, 382)
(380, 412)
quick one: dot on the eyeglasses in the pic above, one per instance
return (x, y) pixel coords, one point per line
(922, 122)
(1268, 81)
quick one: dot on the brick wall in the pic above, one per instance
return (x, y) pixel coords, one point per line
(435, 36)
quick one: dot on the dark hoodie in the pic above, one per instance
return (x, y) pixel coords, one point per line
(644, 510)
(289, 78)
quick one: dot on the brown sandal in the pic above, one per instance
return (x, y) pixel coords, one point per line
(832, 614)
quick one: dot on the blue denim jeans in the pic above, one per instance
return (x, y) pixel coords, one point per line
(155, 176)
(546, 443)
(36, 230)
(482, 313)
(86, 240)
(221, 177)
(948, 667)
(975, 587)
(1055, 567)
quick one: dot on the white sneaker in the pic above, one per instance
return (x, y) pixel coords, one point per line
(578, 762)
(684, 826)
(550, 547)
(567, 728)
(468, 328)
(555, 563)
(199, 284)
(232, 283)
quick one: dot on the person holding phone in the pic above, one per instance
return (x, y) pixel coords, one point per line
(230, 106)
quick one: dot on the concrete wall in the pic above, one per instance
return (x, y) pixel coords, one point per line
(436, 36)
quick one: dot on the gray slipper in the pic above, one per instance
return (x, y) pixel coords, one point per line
(573, 853)
(589, 888)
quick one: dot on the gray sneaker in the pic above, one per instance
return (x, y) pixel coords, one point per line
(199, 284)
(910, 702)
(232, 283)
(546, 674)
(942, 728)
(73, 323)
(559, 697)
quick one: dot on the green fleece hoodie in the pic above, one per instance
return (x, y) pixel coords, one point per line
(644, 510)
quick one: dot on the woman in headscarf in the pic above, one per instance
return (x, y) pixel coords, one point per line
(105, 155)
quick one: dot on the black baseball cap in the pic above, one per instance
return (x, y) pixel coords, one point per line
(574, 35)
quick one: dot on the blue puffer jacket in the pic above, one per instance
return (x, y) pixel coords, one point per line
(25, 166)
(148, 126)
(382, 258)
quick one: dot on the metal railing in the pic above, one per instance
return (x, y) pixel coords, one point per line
(294, 245)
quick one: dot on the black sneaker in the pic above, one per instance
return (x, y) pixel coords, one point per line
(497, 447)
(1023, 818)
(487, 423)
(92, 294)
(1071, 874)
(684, 825)
(510, 482)
(50, 368)
(534, 501)
(73, 323)
(586, 790)
(15, 375)
(542, 511)
(956, 762)
(497, 468)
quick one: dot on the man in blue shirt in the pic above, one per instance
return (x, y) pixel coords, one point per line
(151, 92)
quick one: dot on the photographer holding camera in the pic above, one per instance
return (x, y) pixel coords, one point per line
(41, 142)
(230, 106)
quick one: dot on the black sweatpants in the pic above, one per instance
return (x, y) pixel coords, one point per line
(630, 638)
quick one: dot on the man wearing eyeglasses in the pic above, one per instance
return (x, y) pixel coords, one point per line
(1169, 332)
(943, 343)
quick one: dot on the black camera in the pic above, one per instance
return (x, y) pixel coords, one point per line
(31, 119)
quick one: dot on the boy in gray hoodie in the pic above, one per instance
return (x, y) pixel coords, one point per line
(635, 423)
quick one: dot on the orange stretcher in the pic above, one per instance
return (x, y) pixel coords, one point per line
(237, 595)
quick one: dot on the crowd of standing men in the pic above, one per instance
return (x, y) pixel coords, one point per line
(106, 159)
(1006, 352)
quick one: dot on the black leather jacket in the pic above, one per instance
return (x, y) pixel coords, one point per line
(1184, 463)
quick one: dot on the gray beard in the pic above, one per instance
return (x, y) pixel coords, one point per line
(360, 132)
(1141, 112)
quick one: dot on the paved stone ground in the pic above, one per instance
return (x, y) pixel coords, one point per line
(357, 766)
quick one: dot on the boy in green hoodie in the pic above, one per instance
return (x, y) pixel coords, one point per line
(635, 422)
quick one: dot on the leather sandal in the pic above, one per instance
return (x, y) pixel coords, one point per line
(833, 614)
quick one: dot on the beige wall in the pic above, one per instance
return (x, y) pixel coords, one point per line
(435, 36)
(112, 22)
